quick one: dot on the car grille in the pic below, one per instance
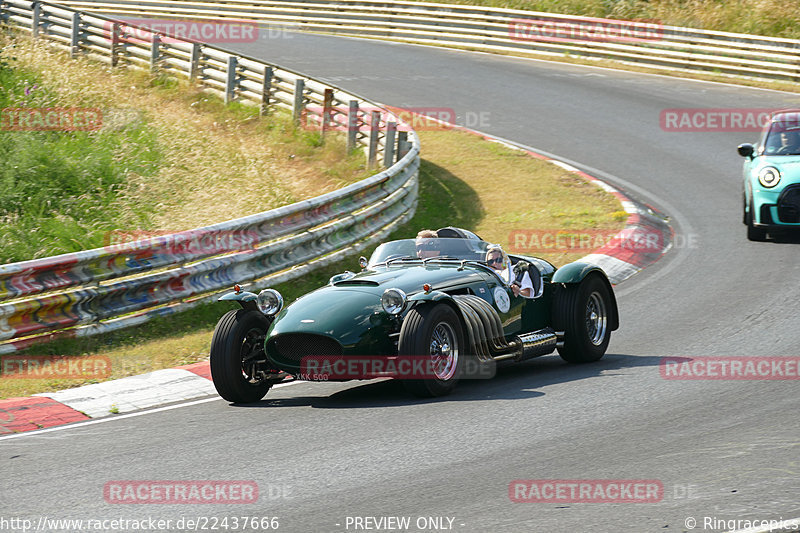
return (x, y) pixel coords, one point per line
(789, 205)
(294, 346)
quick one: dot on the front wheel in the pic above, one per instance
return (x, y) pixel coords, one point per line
(433, 331)
(754, 233)
(237, 356)
(584, 313)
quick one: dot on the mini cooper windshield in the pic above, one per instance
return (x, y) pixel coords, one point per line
(782, 139)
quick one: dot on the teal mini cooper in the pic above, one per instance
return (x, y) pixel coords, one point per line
(771, 196)
(427, 311)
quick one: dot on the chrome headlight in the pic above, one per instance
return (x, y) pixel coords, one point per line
(269, 302)
(769, 177)
(393, 301)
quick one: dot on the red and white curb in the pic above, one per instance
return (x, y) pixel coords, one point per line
(624, 256)
(645, 238)
(97, 400)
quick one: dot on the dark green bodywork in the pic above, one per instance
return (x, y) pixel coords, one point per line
(349, 312)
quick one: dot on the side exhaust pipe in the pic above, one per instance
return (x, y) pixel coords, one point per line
(531, 345)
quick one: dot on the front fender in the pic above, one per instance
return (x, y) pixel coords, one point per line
(246, 299)
(438, 296)
(433, 296)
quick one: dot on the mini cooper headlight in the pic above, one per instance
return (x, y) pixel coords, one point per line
(269, 302)
(769, 177)
(393, 301)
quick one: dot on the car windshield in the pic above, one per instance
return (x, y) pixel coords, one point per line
(432, 249)
(783, 137)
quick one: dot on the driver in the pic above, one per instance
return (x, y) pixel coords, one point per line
(498, 261)
(427, 245)
(789, 143)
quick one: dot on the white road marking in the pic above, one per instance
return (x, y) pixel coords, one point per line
(122, 417)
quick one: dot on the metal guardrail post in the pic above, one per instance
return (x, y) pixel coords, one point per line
(115, 46)
(388, 146)
(352, 125)
(194, 63)
(796, 77)
(327, 109)
(75, 35)
(266, 89)
(403, 146)
(374, 131)
(230, 82)
(299, 99)
(35, 18)
(155, 53)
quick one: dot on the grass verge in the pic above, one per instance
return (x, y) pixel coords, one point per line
(168, 156)
(776, 18)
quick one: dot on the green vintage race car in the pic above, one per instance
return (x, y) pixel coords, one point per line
(447, 309)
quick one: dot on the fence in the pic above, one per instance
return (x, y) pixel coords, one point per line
(120, 285)
(500, 30)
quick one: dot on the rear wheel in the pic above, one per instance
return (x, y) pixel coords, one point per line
(584, 313)
(433, 331)
(237, 356)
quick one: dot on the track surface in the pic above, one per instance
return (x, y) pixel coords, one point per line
(367, 449)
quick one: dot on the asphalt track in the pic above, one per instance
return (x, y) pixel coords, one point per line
(722, 449)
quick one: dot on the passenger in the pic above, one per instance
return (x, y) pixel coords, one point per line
(427, 245)
(498, 261)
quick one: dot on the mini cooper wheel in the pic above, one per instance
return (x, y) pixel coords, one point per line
(237, 356)
(584, 313)
(433, 331)
(754, 233)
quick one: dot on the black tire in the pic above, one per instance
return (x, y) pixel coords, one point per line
(426, 330)
(237, 343)
(583, 311)
(745, 214)
(754, 233)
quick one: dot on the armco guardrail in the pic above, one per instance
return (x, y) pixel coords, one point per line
(121, 285)
(500, 30)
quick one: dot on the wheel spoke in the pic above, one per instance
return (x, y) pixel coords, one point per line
(596, 319)
(443, 351)
(252, 354)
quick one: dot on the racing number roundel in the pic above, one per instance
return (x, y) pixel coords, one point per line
(501, 300)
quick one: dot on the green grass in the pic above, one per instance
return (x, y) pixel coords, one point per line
(168, 157)
(60, 191)
(776, 18)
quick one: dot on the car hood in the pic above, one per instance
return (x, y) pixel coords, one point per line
(411, 278)
(788, 165)
(350, 311)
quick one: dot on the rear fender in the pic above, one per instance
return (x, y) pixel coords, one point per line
(575, 273)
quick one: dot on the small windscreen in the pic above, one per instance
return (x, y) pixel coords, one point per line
(430, 248)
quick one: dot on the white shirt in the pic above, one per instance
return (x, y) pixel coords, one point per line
(525, 283)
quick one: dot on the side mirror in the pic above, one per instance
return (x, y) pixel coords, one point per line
(746, 150)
